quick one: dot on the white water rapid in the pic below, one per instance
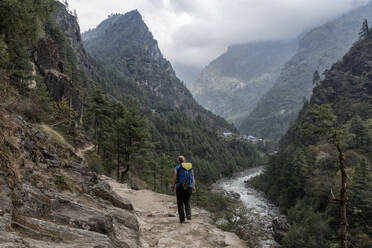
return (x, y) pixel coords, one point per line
(252, 199)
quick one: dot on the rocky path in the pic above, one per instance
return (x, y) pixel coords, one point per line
(80, 152)
(160, 228)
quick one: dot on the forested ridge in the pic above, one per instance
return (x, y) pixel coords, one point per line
(177, 123)
(334, 127)
(49, 78)
(318, 49)
(139, 117)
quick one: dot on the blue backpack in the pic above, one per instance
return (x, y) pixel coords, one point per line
(184, 175)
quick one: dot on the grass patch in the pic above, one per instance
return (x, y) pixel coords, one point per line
(53, 134)
(14, 197)
(64, 183)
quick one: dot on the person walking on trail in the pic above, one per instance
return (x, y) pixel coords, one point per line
(184, 180)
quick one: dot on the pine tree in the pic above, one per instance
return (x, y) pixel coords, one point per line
(364, 31)
(100, 110)
(360, 130)
(316, 78)
(119, 126)
(63, 116)
(4, 56)
(135, 136)
(361, 197)
(324, 124)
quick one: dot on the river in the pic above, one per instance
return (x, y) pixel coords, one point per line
(252, 199)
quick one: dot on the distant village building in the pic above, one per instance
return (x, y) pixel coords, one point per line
(227, 134)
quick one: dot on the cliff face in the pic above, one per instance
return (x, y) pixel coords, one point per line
(125, 43)
(232, 84)
(318, 50)
(48, 197)
(61, 59)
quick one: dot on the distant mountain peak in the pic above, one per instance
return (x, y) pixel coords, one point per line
(135, 14)
(232, 84)
(318, 49)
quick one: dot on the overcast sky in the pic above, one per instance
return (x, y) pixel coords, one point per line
(194, 32)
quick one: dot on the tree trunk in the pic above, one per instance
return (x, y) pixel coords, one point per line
(161, 182)
(155, 177)
(343, 200)
(118, 156)
(95, 134)
(80, 123)
(124, 172)
(128, 153)
(118, 167)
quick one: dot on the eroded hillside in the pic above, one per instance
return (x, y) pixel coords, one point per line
(48, 197)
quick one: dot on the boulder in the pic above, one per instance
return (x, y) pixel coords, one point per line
(280, 227)
(103, 191)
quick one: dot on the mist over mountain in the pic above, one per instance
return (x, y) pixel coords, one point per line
(318, 50)
(232, 84)
(90, 132)
(307, 166)
(186, 73)
(125, 44)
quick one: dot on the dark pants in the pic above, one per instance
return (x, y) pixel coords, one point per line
(183, 198)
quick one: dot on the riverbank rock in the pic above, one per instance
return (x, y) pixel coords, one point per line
(50, 199)
(230, 194)
(280, 228)
(234, 195)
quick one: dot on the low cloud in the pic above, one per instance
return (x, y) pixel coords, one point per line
(194, 32)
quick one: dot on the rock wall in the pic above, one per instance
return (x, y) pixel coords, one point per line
(49, 198)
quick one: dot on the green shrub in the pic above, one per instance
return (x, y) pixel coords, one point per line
(94, 162)
(14, 197)
(64, 183)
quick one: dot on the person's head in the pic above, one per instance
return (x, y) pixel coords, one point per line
(181, 159)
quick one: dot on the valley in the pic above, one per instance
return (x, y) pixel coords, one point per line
(93, 122)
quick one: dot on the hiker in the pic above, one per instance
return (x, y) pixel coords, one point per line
(183, 178)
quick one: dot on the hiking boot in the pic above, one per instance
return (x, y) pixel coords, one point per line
(189, 217)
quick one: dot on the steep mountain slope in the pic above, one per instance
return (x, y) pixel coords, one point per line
(318, 50)
(178, 123)
(301, 177)
(49, 198)
(232, 84)
(125, 43)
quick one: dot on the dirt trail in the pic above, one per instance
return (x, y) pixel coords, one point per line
(160, 227)
(80, 152)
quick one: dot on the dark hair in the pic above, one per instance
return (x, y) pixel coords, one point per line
(181, 159)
